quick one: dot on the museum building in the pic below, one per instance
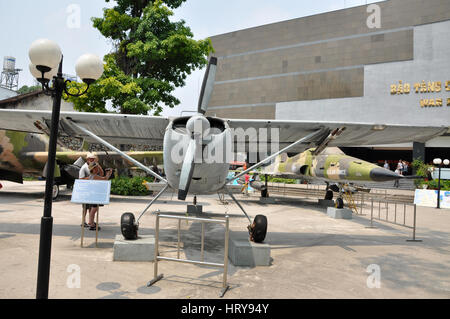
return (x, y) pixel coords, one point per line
(384, 63)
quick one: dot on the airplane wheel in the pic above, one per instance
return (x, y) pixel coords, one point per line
(329, 195)
(259, 229)
(339, 203)
(128, 227)
(55, 192)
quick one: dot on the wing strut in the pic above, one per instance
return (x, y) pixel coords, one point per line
(306, 139)
(137, 163)
(332, 136)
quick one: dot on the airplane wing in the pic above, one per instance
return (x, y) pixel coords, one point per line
(353, 134)
(115, 128)
(138, 129)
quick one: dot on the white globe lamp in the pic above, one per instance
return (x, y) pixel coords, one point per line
(89, 68)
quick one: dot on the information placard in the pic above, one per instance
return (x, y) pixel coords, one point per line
(428, 198)
(91, 192)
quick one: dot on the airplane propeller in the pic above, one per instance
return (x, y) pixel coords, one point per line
(197, 127)
(207, 86)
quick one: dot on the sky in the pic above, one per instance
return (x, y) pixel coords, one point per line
(68, 22)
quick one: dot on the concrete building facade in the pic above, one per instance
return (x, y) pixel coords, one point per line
(382, 63)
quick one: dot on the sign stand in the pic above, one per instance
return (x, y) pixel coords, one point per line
(93, 192)
(83, 220)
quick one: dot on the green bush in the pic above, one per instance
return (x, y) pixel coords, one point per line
(279, 180)
(433, 184)
(130, 186)
(423, 170)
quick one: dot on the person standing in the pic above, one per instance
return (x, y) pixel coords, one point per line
(399, 171)
(82, 174)
(405, 168)
(94, 174)
(400, 167)
(386, 165)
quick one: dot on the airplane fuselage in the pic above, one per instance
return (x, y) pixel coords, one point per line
(22, 152)
(330, 166)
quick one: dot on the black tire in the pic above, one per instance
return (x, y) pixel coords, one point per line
(55, 191)
(260, 228)
(339, 203)
(128, 227)
(329, 195)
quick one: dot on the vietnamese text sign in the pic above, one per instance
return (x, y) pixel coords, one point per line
(91, 192)
(428, 198)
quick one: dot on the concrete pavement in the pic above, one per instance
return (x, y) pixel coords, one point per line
(313, 256)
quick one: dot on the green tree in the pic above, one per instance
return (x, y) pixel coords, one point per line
(152, 56)
(28, 89)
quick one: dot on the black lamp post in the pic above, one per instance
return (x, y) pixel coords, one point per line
(439, 162)
(46, 64)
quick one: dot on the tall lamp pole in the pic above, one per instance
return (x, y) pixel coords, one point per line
(46, 64)
(439, 162)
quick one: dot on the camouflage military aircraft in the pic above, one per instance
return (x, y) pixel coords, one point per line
(331, 166)
(26, 153)
(197, 148)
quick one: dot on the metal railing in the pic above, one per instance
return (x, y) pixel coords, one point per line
(397, 214)
(318, 191)
(157, 277)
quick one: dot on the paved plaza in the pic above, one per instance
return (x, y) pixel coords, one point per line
(312, 255)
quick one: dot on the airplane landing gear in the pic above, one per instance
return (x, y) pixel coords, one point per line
(329, 193)
(258, 229)
(55, 191)
(339, 202)
(128, 226)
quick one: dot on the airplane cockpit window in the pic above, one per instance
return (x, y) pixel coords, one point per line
(332, 151)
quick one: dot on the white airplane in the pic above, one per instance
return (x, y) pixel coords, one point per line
(198, 149)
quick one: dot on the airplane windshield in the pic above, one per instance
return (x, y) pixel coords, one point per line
(332, 151)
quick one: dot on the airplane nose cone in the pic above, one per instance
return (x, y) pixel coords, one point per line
(382, 175)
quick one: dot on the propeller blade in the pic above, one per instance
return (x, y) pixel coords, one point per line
(187, 170)
(207, 86)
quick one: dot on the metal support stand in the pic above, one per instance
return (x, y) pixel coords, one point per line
(237, 203)
(83, 220)
(157, 257)
(152, 201)
(111, 147)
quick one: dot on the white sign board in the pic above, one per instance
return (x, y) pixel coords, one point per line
(91, 192)
(428, 198)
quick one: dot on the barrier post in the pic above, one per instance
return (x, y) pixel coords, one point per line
(371, 214)
(225, 258)
(414, 228)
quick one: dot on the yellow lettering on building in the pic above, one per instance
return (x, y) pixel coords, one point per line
(399, 88)
(423, 87)
(438, 86)
(393, 89)
(439, 102)
(407, 88)
(447, 85)
(417, 87)
(448, 101)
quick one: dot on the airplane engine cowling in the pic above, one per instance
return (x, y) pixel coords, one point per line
(206, 170)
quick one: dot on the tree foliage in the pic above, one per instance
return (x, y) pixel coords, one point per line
(28, 89)
(152, 56)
